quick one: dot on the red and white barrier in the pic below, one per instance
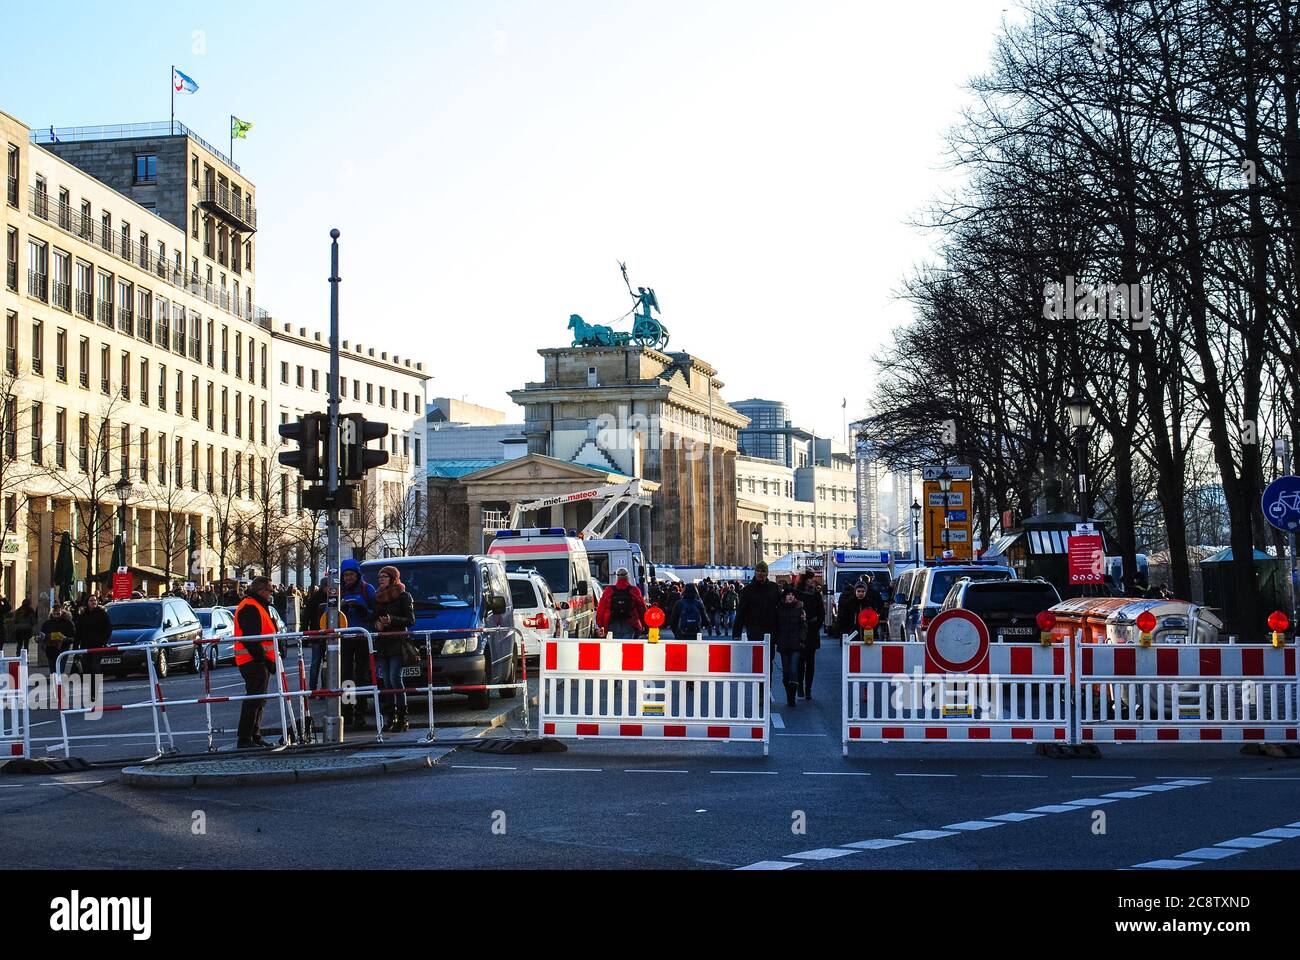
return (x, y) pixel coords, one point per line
(901, 691)
(15, 715)
(678, 689)
(1187, 693)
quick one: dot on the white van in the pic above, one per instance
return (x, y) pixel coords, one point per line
(562, 561)
(604, 557)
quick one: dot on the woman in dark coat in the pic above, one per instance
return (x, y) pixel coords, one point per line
(814, 608)
(394, 616)
(790, 632)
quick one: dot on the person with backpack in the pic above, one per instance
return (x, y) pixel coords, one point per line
(689, 615)
(712, 607)
(809, 593)
(357, 603)
(622, 609)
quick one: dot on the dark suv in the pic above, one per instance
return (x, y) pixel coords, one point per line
(1009, 608)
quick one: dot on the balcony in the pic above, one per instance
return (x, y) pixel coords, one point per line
(125, 320)
(62, 295)
(104, 312)
(37, 285)
(85, 305)
(238, 212)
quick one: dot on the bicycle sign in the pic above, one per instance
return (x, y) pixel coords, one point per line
(1281, 503)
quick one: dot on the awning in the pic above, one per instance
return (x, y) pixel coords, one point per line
(1047, 541)
(1001, 545)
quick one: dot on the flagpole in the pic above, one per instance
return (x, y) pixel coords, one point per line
(232, 138)
(171, 82)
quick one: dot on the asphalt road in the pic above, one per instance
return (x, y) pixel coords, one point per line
(620, 804)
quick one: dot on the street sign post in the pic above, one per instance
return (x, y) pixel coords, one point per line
(1281, 506)
(960, 532)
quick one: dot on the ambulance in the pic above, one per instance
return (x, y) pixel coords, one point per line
(562, 562)
(842, 568)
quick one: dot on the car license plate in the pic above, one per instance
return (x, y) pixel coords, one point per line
(410, 671)
(1017, 631)
(110, 659)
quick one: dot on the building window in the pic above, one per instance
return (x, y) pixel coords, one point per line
(11, 170)
(37, 269)
(11, 343)
(239, 414)
(61, 356)
(144, 381)
(180, 394)
(83, 442)
(225, 419)
(11, 258)
(125, 384)
(284, 372)
(315, 380)
(299, 377)
(38, 347)
(210, 406)
(146, 168)
(61, 438)
(194, 398)
(105, 369)
(194, 465)
(162, 386)
(37, 441)
(225, 349)
(144, 454)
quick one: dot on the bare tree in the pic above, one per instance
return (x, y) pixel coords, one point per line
(406, 527)
(362, 528)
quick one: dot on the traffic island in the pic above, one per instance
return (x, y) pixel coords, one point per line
(278, 770)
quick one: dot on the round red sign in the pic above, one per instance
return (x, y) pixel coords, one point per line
(654, 617)
(957, 641)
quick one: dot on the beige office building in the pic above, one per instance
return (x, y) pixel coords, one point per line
(136, 381)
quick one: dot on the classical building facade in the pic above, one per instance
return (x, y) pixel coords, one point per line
(636, 412)
(136, 381)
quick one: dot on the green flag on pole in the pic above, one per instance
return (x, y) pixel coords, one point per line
(239, 128)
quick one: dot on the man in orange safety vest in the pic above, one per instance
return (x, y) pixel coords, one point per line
(256, 659)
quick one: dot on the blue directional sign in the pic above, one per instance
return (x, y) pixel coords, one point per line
(957, 516)
(1281, 503)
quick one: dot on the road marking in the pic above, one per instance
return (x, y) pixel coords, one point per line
(777, 721)
(824, 853)
(1015, 776)
(1185, 783)
(973, 825)
(1166, 864)
(1084, 776)
(1248, 843)
(1088, 802)
(770, 865)
(478, 766)
(1015, 817)
(1209, 853)
(756, 773)
(70, 783)
(656, 771)
(925, 774)
(880, 844)
(926, 834)
(1282, 833)
(228, 686)
(1255, 778)
(568, 769)
(1159, 787)
(1053, 808)
(1126, 794)
(834, 773)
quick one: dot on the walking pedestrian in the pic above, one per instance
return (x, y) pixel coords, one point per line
(24, 625)
(622, 609)
(58, 633)
(394, 617)
(94, 628)
(5, 611)
(727, 604)
(688, 614)
(357, 602)
(850, 605)
(756, 611)
(809, 592)
(791, 630)
(256, 660)
(315, 620)
(712, 606)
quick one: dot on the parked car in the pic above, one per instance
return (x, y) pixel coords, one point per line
(1009, 608)
(154, 622)
(930, 585)
(468, 595)
(218, 623)
(901, 591)
(536, 614)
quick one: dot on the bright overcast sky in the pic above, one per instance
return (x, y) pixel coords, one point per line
(489, 163)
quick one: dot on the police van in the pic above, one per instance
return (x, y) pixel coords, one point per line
(562, 562)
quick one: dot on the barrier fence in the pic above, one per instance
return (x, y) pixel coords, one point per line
(1071, 693)
(291, 686)
(15, 717)
(676, 689)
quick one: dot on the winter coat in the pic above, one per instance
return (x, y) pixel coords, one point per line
(400, 608)
(756, 610)
(94, 628)
(357, 602)
(790, 630)
(636, 616)
(847, 610)
(814, 609)
(689, 608)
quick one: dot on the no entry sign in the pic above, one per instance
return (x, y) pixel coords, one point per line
(957, 641)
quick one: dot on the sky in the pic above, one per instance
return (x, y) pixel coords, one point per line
(489, 163)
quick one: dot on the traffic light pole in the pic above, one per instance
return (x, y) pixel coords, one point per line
(334, 715)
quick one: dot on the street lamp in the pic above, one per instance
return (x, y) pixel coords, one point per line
(945, 484)
(124, 490)
(1080, 410)
(916, 523)
(753, 536)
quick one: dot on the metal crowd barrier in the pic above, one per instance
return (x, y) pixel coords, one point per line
(692, 689)
(15, 716)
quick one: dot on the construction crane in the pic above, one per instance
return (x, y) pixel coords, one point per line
(619, 497)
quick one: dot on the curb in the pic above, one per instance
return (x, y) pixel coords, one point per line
(154, 779)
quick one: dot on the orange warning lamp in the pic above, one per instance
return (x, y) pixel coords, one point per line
(1278, 623)
(1146, 623)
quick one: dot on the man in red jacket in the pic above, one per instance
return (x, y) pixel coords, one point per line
(622, 609)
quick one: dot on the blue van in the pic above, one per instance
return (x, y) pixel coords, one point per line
(470, 596)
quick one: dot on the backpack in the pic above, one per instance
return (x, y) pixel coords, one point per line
(620, 604)
(688, 625)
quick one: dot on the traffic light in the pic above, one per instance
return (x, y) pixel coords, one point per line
(307, 432)
(355, 431)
